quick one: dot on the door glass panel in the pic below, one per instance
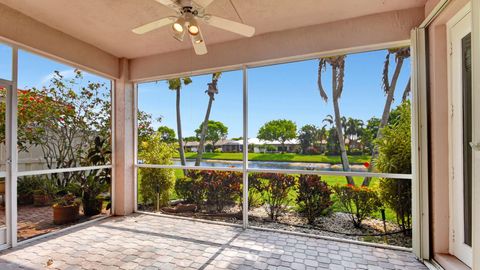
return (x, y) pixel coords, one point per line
(467, 137)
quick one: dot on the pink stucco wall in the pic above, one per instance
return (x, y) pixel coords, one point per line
(26, 32)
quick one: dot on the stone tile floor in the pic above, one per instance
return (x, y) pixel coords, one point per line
(152, 242)
(34, 220)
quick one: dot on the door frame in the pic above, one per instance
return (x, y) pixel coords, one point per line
(455, 99)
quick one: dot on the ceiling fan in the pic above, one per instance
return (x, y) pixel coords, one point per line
(189, 13)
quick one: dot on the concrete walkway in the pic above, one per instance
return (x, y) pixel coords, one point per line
(152, 242)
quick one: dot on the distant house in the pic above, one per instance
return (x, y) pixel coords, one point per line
(255, 145)
(259, 146)
(229, 146)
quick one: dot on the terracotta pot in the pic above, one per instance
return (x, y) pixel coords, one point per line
(92, 207)
(65, 214)
(41, 200)
(2, 187)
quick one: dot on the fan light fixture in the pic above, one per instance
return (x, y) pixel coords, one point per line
(193, 27)
(189, 12)
(178, 25)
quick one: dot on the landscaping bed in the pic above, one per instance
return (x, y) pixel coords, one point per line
(337, 224)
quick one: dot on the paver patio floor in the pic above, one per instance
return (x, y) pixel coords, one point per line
(152, 242)
(33, 220)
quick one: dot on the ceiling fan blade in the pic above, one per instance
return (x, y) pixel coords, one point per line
(235, 27)
(173, 4)
(203, 3)
(199, 44)
(153, 25)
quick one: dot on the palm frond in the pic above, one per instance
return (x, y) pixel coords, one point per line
(385, 79)
(322, 64)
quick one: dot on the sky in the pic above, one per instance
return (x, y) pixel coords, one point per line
(284, 91)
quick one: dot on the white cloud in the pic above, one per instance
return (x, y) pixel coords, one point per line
(67, 74)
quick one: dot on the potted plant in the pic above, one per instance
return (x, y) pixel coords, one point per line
(41, 198)
(66, 209)
(25, 187)
(44, 194)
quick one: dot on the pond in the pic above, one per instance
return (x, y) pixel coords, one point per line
(275, 165)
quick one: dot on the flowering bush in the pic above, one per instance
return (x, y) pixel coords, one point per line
(313, 197)
(359, 202)
(275, 189)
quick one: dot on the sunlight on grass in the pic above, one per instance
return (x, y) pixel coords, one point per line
(290, 157)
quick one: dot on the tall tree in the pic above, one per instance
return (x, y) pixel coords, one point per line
(337, 64)
(353, 130)
(215, 131)
(211, 92)
(389, 86)
(176, 85)
(370, 132)
(166, 134)
(308, 136)
(278, 130)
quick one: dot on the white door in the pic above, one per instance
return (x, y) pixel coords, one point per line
(461, 132)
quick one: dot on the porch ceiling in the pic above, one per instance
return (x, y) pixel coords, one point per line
(106, 24)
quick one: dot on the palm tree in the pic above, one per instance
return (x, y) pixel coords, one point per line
(176, 85)
(389, 87)
(328, 119)
(338, 72)
(353, 130)
(212, 91)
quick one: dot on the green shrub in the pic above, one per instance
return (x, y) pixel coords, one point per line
(154, 151)
(359, 202)
(190, 188)
(397, 195)
(254, 196)
(26, 186)
(313, 197)
(395, 157)
(275, 189)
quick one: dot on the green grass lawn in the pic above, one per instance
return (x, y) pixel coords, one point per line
(286, 157)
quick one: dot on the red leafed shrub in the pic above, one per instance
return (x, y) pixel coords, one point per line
(221, 188)
(275, 189)
(190, 188)
(359, 202)
(313, 197)
(213, 188)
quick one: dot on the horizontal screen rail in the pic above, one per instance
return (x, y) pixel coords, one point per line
(199, 168)
(63, 170)
(313, 172)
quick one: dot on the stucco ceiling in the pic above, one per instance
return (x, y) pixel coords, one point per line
(107, 24)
